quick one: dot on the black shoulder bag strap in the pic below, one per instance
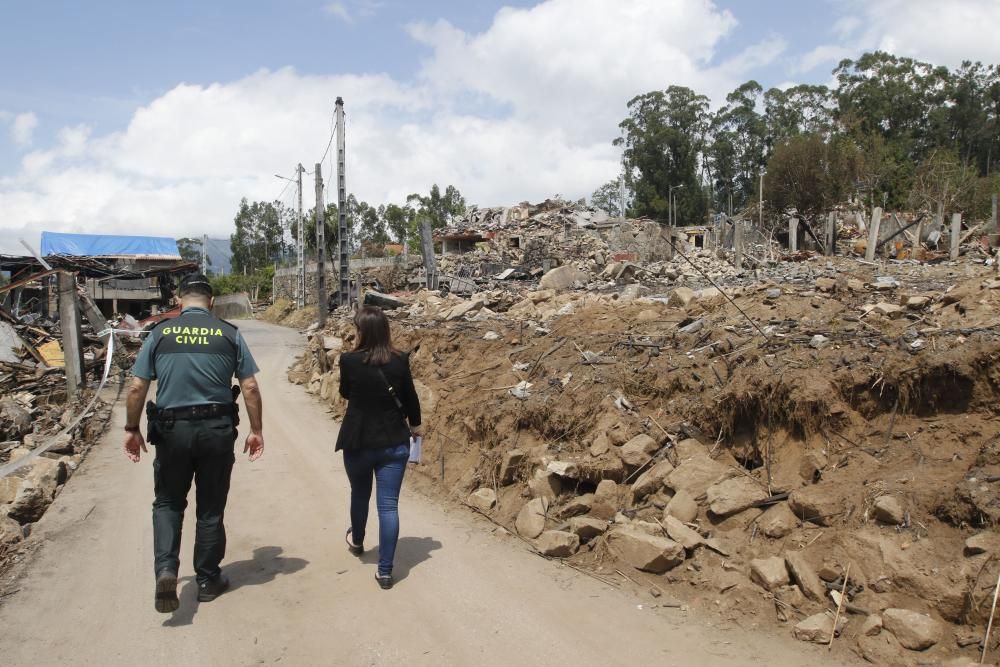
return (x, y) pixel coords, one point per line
(392, 392)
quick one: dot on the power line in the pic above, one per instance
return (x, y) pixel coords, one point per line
(333, 127)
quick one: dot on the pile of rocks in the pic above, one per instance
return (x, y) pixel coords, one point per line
(25, 424)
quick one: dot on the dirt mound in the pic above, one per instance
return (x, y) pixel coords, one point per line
(284, 312)
(825, 424)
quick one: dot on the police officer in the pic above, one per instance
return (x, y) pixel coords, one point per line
(193, 358)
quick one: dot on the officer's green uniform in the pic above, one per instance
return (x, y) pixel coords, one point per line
(194, 358)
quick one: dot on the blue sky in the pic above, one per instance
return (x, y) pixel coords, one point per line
(121, 115)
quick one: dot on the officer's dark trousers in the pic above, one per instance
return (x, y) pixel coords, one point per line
(201, 450)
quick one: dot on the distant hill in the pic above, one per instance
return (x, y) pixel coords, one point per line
(219, 256)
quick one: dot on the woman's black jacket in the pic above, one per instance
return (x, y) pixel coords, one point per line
(373, 420)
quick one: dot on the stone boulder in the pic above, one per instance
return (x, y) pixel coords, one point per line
(769, 573)
(872, 626)
(805, 576)
(10, 533)
(683, 535)
(511, 464)
(821, 504)
(682, 506)
(648, 553)
(606, 500)
(777, 521)
(562, 278)
(30, 503)
(651, 481)
(638, 450)
(681, 297)
(530, 520)
(914, 631)
(483, 499)
(600, 445)
(15, 419)
(545, 484)
(986, 542)
(734, 495)
(566, 469)
(9, 486)
(889, 510)
(695, 474)
(587, 528)
(817, 628)
(577, 505)
(558, 543)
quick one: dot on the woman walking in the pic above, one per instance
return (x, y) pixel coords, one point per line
(383, 411)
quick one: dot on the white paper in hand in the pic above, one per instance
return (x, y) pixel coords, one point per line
(415, 443)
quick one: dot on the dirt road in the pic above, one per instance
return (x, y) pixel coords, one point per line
(465, 595)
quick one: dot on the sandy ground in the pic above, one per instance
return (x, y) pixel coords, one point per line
(465, 593)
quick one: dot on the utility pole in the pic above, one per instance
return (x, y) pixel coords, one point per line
(300, 273)
(344, 291)
(320, 248)
(204, 254)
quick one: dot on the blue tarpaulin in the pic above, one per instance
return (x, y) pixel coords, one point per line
(105, 245)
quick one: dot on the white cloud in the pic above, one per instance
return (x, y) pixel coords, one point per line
(942, 33)
(339, 10)
(358, 9)
(524, 110)
(22, 129)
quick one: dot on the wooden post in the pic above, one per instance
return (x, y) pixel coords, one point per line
(831, 235)
(69, 323)
(738, 245)
(956, 231)
(873, 234)
(793, 235)
(993, 217)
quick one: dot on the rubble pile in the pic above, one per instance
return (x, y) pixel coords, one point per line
(35, 412)
(803, 436)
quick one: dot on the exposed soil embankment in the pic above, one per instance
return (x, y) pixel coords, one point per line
(743, 461)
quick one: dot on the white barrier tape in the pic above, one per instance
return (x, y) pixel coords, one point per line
(38, 451)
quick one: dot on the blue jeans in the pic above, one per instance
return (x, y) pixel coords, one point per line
(387, 466)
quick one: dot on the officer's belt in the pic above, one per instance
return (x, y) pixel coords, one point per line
(206, 411)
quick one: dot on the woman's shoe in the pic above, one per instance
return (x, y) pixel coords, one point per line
(355, 549)
(384, 580)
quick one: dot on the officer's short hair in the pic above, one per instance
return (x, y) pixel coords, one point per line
(195, 283)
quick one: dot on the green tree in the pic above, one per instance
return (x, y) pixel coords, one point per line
(441, 209)
(739, 144)
(810, 174)
(663, 138)
(900, 98)
(802, 109)
(190, 249)
(608, 198)
(258, 239)
(397, 221)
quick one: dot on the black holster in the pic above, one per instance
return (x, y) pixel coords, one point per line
(153, 432)
(236, 406)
